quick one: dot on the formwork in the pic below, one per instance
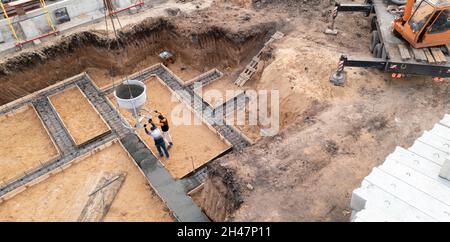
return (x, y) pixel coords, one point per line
(79, 117)
(194, 145)
(173, 192)
(62, 196)
(26, 143)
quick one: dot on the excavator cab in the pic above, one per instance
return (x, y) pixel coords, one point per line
(427, 25)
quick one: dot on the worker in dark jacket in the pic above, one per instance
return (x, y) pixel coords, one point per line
(164, 124)
(158, 138)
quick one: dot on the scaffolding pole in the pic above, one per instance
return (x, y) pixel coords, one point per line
(49, 19)
(20, 42)
(139, 3)
(9, 21)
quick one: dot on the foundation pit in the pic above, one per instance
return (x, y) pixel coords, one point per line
(194, 144)
(98, 54)
(219, 88)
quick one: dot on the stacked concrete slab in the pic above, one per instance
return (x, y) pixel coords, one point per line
(411, 185)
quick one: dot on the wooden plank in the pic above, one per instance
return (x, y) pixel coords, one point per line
(419, 55)
(448, 48)
(196, 189)
(102, 197)
(404, 52)
(438, 55)
(429, 56)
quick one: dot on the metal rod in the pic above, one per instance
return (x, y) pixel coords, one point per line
(127, 8)
(9, 20)
(107, 184)
(36, 38)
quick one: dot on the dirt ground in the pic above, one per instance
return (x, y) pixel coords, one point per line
(87, 123)
(251, 131)
(220, 86)
(102, 78)
(194, 145)
(184, 71)
(331, 136)
(63, 196)
(207, 46)
(25, 143)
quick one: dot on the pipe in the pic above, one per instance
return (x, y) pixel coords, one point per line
(408, 10)
(39, 37)
(127, 8)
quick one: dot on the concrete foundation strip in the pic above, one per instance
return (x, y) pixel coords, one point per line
(55, 125)
(44, 173)
(172, 193)
(205, 78)
(232, 102)
(95, 110)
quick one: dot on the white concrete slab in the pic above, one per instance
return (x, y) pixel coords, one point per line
(405, 192)
(123, 3)
(437, 189)
(30, 29)
(375, 215)
(445, 171)
(441, 130)
(428, 152)
(445, 121)
(414, 161)
(412, 184)
(436, 141)
(376, 198)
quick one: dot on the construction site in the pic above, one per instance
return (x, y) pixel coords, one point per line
(359, 89)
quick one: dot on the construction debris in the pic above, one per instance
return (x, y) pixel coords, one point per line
(102, 197)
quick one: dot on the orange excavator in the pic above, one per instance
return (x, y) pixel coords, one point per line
(425, 26)
(410, 39)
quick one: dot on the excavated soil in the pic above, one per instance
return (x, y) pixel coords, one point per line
(138, 46)
(331, 136)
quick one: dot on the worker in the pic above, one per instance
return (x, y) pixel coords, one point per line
(164, 124)
(158, 139)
